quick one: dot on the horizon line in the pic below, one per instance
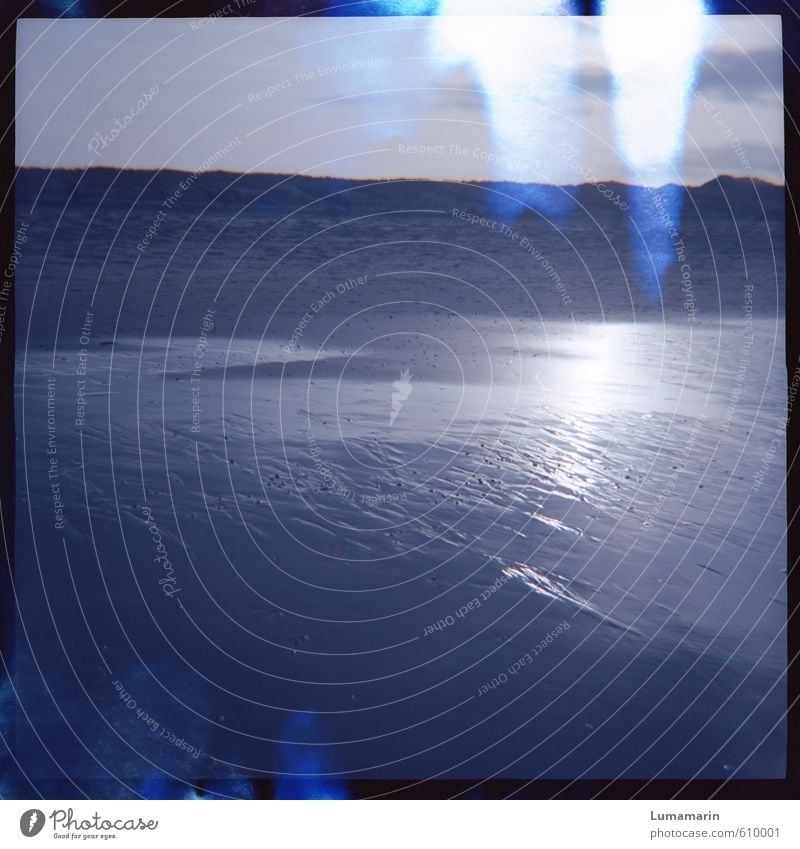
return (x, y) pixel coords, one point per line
(421, 179)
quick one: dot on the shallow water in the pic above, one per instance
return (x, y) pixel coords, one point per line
(381, 576)
(445, 524)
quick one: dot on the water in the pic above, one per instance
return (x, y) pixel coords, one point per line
(424, 512)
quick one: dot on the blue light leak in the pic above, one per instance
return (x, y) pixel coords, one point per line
(227, 788)
(523, 70)
(12, 782)
(68, 9)
(162, 787)
(305, 761)
(655, 234)
(406, 7)
(411, 8)
(653, 60)
(526, 70)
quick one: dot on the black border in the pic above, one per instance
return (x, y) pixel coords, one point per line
(788, 788)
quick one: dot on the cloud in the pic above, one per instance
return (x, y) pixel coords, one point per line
(738, 75)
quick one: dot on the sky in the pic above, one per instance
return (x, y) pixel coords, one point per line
(532, 99)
